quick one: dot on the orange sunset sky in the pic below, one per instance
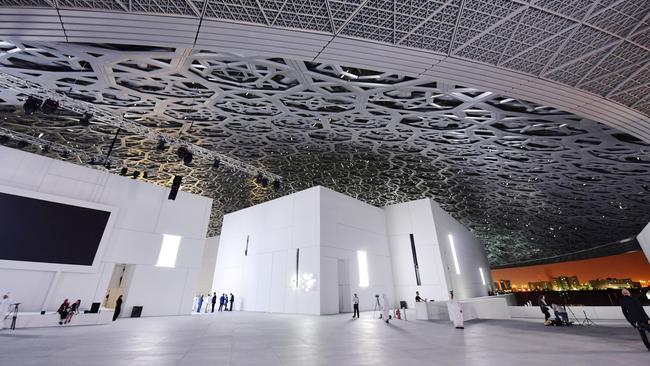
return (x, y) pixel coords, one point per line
(632, 265)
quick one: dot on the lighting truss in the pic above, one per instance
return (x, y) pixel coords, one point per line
(109, 118)
(60, 148)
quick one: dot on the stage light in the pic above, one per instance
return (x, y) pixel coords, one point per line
(362, 259)
(161, 145)
(215, 164)
(168, 251)
(453, 254)
(135, 174)
(31, 105)
(50, 106)
(85, 119)
(124, 171)
(276, 185)
(185, 154)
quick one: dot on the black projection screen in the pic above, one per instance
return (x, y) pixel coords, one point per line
(35, 230)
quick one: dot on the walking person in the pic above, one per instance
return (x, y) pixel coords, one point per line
(118, 307)
(385, 308)
(355, 305)
(455, 311)
(214, 300)
(635, 314)
(232, 301)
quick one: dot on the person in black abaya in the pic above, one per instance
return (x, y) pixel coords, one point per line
(118, 308)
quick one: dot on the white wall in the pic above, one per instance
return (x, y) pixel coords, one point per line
(208, 262)
(470, 253)
(262, 280)
(144, 215)
(348, 225)
(329, 228)
(415, 217)
(644, 241)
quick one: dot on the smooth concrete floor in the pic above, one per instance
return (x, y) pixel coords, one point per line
(273, 339)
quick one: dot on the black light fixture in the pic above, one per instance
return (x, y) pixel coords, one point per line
(215, 164)
(50, 106)
(31, 105)
(124, 171)
(85, 119)
(161, 145)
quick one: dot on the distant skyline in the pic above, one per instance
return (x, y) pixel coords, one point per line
(632, 265)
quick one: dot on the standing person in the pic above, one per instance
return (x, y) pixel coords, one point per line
(221, 303)
(225, 302)
(214, 300)
(455, 311)
(635, 314)
(4, 309)
(355, 305)
(198, 310)
(208, 300)
(543, 306)
(232, 301)
(63, 311)
(118, 307)
(385, 307)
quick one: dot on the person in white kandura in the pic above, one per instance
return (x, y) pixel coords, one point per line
(455, 311)
(385, 307)
(4, 309)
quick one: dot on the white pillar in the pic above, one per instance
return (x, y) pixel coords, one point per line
(644, 240)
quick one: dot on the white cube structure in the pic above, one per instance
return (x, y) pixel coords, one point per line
(310, 251)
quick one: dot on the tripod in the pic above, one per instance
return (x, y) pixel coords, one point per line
(377, 307)
(14, 315)
(587, 321)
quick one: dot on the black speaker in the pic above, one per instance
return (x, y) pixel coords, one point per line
(176, 185)
(136, 312)
(94, 308)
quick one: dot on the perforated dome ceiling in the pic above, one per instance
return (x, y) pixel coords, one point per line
(531, 180)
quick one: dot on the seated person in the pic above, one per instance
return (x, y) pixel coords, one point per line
(417, 296)
(561, 316)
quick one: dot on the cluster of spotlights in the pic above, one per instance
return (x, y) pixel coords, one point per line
(134, 174)
(50, 106)
(264, 182)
